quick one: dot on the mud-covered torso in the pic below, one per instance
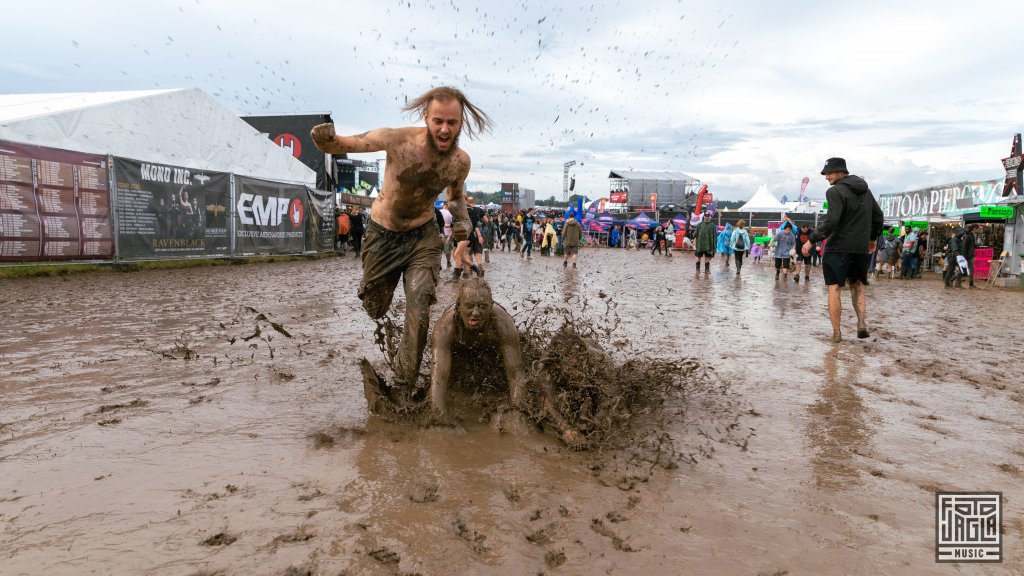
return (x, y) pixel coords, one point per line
(413, 178)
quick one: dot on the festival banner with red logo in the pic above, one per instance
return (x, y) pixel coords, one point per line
(291, 132)
(54, 204)
(270, 217)
(166, 211)
(320, 223)
(618, 197)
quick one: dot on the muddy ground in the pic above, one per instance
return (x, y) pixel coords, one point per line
(211, 421)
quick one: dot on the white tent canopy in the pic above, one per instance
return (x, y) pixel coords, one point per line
(182, 127)
(763, 201)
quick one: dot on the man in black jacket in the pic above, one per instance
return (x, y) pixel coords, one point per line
(851, 227)
(970, 242)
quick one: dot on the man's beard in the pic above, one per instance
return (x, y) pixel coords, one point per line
(451, 148)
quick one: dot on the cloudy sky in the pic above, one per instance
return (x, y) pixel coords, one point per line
(735, 93)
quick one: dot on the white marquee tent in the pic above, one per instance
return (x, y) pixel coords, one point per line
(181, 127)
(763, 201)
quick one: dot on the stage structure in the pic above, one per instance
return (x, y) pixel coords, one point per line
(640, 187)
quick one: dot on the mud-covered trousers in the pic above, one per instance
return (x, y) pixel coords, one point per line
(413, 256)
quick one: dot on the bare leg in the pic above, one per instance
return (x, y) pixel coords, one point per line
(860, 307)
(835, 311)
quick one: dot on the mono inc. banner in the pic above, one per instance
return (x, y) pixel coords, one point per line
(168, 211)
(270, 217)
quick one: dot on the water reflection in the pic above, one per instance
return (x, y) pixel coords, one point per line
(836, 428)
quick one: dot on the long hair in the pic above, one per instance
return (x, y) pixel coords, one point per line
(471, 115)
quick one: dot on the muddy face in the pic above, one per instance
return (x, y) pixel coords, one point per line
(444, 123)
(475, 309)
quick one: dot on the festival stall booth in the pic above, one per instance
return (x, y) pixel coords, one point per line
(160, 174)
(940, 210)
(1010, 261)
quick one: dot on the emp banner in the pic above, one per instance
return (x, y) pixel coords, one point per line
(320, 225)
(170, 211)
(270, 217)
(54, 205)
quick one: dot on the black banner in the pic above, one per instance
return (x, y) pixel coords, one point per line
(170, 211)
(357, 176)
(270, 217)
(320, 225)
(54, 204)
(291, 132)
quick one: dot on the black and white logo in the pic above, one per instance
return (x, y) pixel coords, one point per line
(968, 527)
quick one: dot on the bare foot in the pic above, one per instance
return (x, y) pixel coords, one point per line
(837, 337)
(862, 332)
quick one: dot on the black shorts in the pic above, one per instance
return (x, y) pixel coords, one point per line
(781, 263)
(474, 244)
(838, 267)
(705, 253)
(801, 259)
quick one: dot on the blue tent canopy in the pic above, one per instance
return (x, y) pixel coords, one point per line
(643, 222)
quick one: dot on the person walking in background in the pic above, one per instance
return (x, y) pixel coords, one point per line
(356, 229)
(448, 243)
(526, 230)
(572, 233)
(487, 228)
(784, 243)
(659, 240)
(344, 227)
(756, 252)
(954, 248)
(739, 244)
(723, 243)
(704, 247)
(970, 243)
(909, 255)
(802, 236)
(922, 253)
(851, 227)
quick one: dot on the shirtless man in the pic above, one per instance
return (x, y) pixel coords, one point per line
(402, 240)
(475, 322)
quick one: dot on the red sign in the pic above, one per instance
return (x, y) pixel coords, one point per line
(295, 212)
(618, 197)
(290, 142)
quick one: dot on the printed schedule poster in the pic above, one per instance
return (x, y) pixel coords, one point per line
(171, 211)
(270, 217)
(54, 205)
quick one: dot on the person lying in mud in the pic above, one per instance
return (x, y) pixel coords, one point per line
(476, 324)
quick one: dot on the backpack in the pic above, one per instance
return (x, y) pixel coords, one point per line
(343, 223)
(741, 244)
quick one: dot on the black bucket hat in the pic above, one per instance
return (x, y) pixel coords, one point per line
(834, 165)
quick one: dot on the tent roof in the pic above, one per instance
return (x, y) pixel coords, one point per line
(181, 127)
(763, 201)
(639, 175)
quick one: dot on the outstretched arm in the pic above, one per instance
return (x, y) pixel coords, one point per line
(441, 345)
(513, 356)
(328, 141)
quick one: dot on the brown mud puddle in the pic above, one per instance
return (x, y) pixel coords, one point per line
(212, 421)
